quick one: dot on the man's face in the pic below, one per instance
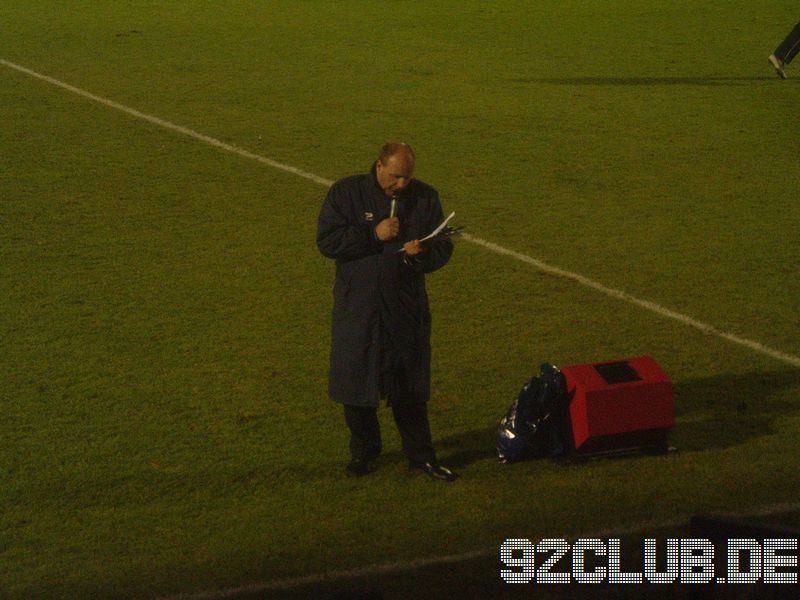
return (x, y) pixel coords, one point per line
(396, 174)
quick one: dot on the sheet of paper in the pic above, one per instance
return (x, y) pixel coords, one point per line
(439, 228)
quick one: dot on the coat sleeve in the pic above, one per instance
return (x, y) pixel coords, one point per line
(339, 235)
(441, 250)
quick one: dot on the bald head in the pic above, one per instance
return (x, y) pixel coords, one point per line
(393, 149)
(394, 167)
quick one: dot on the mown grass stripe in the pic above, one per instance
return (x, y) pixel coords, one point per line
(580, 279)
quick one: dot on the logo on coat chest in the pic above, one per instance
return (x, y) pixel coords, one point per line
(368, 216)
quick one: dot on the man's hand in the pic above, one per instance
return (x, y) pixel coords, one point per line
(387, 229)
(414, 247)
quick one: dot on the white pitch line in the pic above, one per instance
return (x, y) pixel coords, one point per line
(651, 306)
(171, 126)
(327, 577)
(784, 357)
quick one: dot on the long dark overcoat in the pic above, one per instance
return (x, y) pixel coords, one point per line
(379, 301)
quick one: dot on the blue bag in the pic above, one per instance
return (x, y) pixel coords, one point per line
(537, 423)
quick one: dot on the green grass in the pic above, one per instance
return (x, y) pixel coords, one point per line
(164, 316)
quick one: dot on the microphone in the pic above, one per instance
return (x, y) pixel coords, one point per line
(393, 210)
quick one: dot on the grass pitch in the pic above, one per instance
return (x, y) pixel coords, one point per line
(164, 322)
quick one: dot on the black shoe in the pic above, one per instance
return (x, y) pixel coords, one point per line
(358, 467)
(434, 471)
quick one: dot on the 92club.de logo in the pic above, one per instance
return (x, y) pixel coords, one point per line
(676, 560)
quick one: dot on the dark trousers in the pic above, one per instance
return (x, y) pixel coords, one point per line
(412, 422)
(790, 46)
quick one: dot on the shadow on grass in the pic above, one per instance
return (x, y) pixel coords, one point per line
(646, 81)
(457, 451)
(713, 412)
(463, 449)
(726, 410)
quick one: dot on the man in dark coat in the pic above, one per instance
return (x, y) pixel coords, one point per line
(371, 225)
